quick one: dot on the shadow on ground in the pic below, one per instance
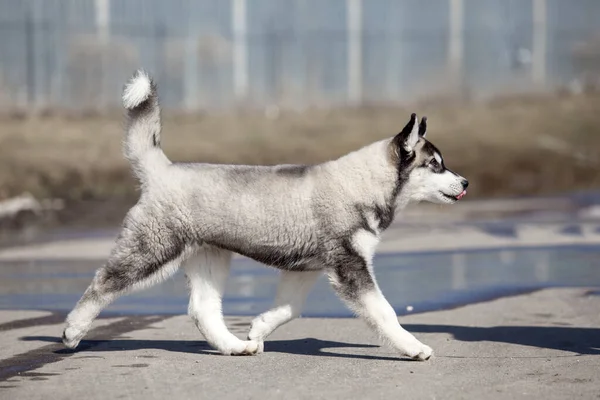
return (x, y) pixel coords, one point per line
(564, 338)
(308, 346)
(112, 338)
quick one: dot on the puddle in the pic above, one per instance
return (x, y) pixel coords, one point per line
(421, 282)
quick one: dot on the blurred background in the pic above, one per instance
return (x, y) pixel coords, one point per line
(511, 89)
(221, 55)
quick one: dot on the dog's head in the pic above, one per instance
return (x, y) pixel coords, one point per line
(423, 175)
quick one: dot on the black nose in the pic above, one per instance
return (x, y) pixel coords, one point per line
(465, 183)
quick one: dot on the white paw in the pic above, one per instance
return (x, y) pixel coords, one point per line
(258, 330)
(261, 347)
(257, 334)
(424, 353)
(247, 348)
(72, 336)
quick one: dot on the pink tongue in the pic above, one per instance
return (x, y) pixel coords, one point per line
(460, 196)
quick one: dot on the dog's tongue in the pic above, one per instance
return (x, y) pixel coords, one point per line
(460, 196)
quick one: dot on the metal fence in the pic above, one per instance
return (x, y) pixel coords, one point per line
(76, 54)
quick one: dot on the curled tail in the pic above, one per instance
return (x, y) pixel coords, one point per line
(142, 140)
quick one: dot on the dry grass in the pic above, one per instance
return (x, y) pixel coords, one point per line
(512, 146)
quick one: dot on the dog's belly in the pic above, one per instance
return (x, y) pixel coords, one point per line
(298, 259)
(283, 249)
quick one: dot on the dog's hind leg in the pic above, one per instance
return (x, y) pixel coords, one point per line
(292, 291)
(207, 273)
(139, 259)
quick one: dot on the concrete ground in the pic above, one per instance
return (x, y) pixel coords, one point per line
(540, 345)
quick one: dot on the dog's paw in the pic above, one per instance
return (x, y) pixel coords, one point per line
(248, 348)
(72, 336)
(252, 337)
(261, 347)
(424, 354)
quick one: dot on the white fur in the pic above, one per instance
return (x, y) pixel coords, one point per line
(137, 90)
(365, 244)
(413, 138)
(207, 273)
(380, 315)
(292, 291)
(425, 185)
(378, 312)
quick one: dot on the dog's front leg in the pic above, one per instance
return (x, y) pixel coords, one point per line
(292, 291)
(355, 284)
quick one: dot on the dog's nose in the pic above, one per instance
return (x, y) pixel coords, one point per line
(465, 183)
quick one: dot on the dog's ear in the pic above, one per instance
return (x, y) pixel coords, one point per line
(409, 136)
(423, 127)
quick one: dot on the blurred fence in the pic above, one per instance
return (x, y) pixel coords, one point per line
(76, 54)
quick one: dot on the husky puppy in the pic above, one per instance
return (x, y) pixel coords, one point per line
(304, 220)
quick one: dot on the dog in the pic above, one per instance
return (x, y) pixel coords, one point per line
(304, 220)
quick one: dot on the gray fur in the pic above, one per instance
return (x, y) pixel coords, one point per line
(292, 217)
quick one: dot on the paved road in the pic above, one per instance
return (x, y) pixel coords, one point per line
(541, 345)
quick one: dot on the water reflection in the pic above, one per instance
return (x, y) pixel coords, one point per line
(424, 281)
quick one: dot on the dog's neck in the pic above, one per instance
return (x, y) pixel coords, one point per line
(369, 176)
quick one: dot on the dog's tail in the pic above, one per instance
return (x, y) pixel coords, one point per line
(142, 139)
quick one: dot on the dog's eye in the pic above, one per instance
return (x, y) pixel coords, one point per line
(433, 163)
